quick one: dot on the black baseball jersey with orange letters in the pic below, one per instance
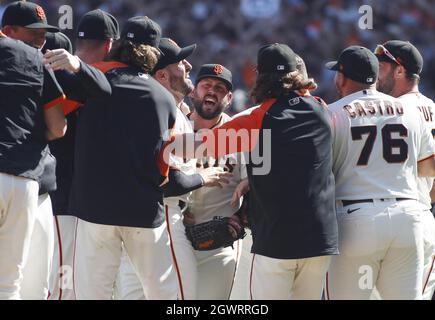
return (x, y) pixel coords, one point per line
(117, 172)
(26, 88)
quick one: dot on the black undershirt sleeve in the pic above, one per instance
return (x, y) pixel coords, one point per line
(181, 183)
(88, 83)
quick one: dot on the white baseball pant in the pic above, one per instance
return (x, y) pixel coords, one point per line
(98, 250)
(381, 244)
(127, 285)
(61, 275)
(429, 255)
(18, 210)
(36, 271)
(184, 258)
(214, 274)
(287, 279)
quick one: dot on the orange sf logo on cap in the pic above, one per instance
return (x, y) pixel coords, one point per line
(218, 69)
(40, 12)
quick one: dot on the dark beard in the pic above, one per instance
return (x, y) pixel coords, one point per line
(197, 105)
(183, 86)
(388, 85)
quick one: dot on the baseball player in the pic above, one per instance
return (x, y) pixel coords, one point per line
(400, 65)
(291, 245)
(95, 34)
(118, 171)
(214, 271)
(30, 115)
(380, 145)
(26, 21)
(35, 285)
(172, 72)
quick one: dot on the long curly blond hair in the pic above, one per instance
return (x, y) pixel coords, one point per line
(274, 85)
(142, 56)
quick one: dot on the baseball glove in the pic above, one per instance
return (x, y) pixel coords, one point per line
(217, 233)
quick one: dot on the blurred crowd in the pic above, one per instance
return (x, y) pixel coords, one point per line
(230, 31)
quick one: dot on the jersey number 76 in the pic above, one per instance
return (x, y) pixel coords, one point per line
(388, 142)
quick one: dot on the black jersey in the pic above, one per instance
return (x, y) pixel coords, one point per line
(26, 88)
(117, 172)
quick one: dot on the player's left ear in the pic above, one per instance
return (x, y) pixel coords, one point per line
(192, 93)
(108, 45)
(399, 72)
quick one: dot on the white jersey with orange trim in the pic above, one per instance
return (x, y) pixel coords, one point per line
(427, 108)
(378, 140)
(182, 125)
(205, 203)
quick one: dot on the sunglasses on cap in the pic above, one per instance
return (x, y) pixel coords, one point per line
(380, 50)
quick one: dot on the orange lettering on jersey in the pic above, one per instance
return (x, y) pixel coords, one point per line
(359, 109)
(349, 110)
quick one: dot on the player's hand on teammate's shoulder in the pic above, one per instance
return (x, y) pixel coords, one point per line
(60, 59)
(215, 177)
(241, 189)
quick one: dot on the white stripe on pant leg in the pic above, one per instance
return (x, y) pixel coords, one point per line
(37, 269)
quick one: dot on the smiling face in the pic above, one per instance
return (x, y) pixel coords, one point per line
(210, 98)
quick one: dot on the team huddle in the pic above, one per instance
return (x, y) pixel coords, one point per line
(99, 201)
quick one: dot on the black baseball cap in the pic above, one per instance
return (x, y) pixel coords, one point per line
(99, 25)
(215, 71)
(26, 14)
(276, 58)
(403, 53)
(357, 63)
(172, 53)
(57, 40)
(142, 30)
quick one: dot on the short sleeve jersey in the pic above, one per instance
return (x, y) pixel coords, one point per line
(427, 109)
(377, 141)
